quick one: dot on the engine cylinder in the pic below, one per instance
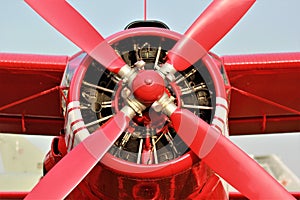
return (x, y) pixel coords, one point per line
(149, 160)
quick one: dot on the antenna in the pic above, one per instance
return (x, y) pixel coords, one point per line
(145, 10)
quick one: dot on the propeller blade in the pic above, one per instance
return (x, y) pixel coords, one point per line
(225, 158)
(64, 18)
(70, 171)
(208, 29)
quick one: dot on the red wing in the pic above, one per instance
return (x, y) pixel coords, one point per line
(265, 95)
(29, 86)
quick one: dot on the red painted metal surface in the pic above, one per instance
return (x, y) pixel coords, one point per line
(13, 195)
(264, 93)
(180, 179)
(239, 196)
(30, 68)
(232, 195)
(208, 29)
(57, 152)
(184, 185)
(62, 16)
(148, 86)
(84, 157)
(249, 94)
(30, 84)
(226, 159)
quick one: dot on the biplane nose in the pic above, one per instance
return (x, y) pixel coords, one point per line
(193, 132)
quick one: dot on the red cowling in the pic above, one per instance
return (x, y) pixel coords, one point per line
(72, 25)
(108, 177)
(226, 159)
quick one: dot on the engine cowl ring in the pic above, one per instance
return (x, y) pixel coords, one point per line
(100, 96)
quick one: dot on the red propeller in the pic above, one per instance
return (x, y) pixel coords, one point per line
(217, 151)
(208, 29)
(225, 158)
(69, 171)
(72, 25)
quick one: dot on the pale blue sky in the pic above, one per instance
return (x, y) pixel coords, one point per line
(270, 26)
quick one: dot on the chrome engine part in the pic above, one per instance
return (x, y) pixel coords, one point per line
(150, 139)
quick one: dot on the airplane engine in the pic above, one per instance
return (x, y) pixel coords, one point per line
(146, 114)
(149, 160)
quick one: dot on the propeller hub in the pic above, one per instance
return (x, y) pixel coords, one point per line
(148, 86)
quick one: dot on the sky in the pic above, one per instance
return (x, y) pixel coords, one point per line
(269, 26)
